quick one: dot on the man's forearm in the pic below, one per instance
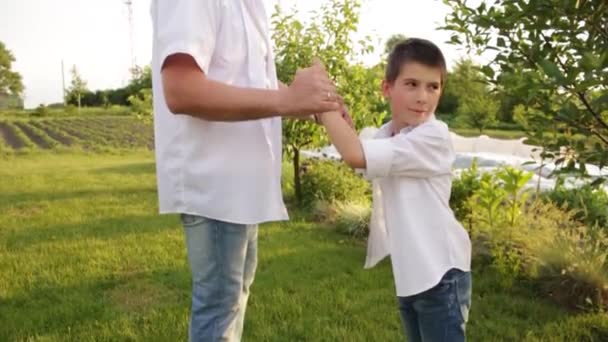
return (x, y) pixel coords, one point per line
(345, 139)
(216, 101)
(187, 90)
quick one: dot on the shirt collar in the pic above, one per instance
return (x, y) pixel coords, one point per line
(408, 129)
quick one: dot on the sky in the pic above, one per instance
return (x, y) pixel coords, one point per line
(94, 35)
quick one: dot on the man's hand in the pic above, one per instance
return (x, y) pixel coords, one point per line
(310, 92)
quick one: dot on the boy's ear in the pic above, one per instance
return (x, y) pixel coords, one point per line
(386, 89)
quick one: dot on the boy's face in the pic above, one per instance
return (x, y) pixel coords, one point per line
(414, 95)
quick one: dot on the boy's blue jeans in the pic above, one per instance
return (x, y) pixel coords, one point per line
(439, 314)
(223, 259)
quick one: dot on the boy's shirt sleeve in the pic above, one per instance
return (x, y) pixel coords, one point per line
(422, 153)
(186, 26)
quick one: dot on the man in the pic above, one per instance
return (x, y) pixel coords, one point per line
(217, 108)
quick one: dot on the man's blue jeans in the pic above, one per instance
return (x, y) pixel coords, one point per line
(439, 314)
(223, 259)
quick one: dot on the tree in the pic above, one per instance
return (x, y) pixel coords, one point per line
(392, 41)
(559, 48)
(508, 101)
(78, 88)
(141, 105)
(478, 111)
(141, 78)
(448, 103)
(140, 90)
(464, 81)
(330, 38)
(10, 81)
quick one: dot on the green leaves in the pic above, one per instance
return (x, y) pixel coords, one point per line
(500, 42)
(328, 37)
(141, 105)
(552, 70)
(558, 50)
(10, 81)
(478, 111)
(500, 196)
(488, 71)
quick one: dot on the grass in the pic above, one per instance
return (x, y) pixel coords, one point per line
(85, 257)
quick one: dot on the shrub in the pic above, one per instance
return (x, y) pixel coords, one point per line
(329, 181)
(463, 188)
(496, 209)
(574, 268)
(40, 111)
(353, 219)
(538, 239)
(350, 218)
(590, 205)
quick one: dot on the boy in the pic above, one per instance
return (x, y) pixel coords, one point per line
(409, 162)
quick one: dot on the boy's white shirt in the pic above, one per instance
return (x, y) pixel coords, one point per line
(411, 220)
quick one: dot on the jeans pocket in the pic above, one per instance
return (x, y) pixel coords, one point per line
(191, 220)
(442, 288)
(463, 293)
(446, 284)
(440, 298)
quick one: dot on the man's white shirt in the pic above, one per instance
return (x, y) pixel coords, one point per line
(220, 170)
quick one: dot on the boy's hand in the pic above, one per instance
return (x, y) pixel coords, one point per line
(346, 116)
(343, 113)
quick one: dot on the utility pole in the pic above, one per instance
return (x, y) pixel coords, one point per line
(63, 83)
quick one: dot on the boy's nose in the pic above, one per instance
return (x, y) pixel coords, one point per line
(421, 97)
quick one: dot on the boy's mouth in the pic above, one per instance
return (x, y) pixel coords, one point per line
(418, 111)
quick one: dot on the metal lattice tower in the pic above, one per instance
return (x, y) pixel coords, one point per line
(129, 4)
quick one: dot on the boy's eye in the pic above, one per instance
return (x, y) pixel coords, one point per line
(410, 83)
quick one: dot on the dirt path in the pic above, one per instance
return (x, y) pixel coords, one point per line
(35, 138)
(10, 138)
(63, 140)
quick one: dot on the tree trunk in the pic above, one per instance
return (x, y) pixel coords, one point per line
(296, 174)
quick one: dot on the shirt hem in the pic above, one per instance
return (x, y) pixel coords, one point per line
(279, 218)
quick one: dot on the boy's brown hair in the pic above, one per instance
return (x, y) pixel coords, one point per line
(414, 50)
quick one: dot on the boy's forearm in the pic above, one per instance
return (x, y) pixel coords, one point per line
(345, 139)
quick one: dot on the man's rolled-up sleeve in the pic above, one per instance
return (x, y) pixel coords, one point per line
(188, 27)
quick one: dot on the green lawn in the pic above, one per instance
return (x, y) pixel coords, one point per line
(85, 257)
